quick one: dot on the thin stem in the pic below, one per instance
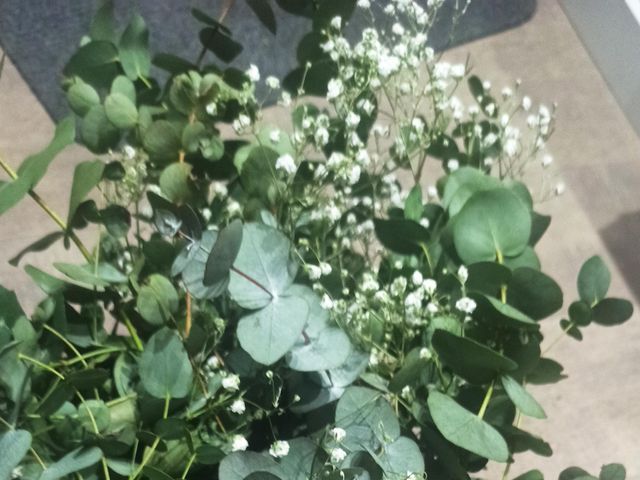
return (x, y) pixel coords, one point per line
(188, 467)
(154, 445)
(187, 322)
(67, 343)
(503, 288)
(133, 332)
(43, 366)
(96, 430)
(31, 450)
(53, 215)
(485, 402)
(86, 356)
(559, 337)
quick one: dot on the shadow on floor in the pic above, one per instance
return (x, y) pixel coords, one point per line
(622, 239)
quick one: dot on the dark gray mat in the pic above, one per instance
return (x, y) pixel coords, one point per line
(40, 36)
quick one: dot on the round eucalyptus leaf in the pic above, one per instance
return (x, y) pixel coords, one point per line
(492, 224)
(162, 141)
(97, 132)
(96, 409)
(410, 372)
(223, 254)
(612, 471)
(465, 429)
(269, 333)
(534, 293)
(528, 258)
(367, 417)
(402, 455)
(192, 261)
(612, 311)
(521, 398)
(14, 445)
(320, 347)
(297, 464)
(165, 370)
(74, 461)
(133, 49)
(473, 361)
(580, 313)
(530, 475)
(176, 184)
(264, 257)
(192, 134)
(157, 300)
(462, 184)
(593, 280)
(239, 465)
(121, 111)
(487, 277)
(124, 86)
(81, 97)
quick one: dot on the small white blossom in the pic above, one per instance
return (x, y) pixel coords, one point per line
(285, 99)
(129, 152)
(453, 165)
(463, 274)
(425, 354)
(253, 73)
(397, 28)
(231, 382)
(213, 362)
(238, 407)
(285, 162)
(432, 307)
(559, 188)
(326, 302)
(338, 434)
(388, 64)
(325, 268)
(354, 174)
(547, 160)
(457, 71)
(239, 443)
(416, 278)
(272, 82)
(425, 222)
(336, 22)
(274, 136)
(466, 305)
(334, 88)
(314, 272)
(507, 93)
(279, 449)
(338, 455)
(412, 300)
(429, 285)
(526, 103)
(364, 3)
(352, 120)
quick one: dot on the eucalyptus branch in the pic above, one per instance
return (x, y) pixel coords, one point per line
(49, 211)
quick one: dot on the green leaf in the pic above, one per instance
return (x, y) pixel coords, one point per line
(35, 166)
(97, 132)
(265, 14)
(321, 347)
(157, 300)
(153, 473)
(413, 204)
(465, 429)
(297, 465)
(492, 224)
(593, 280)
(534, 293)
(94, 410)
(367, 418)
(530, 475)
(81, 97)
(121, 111)
(479, 364)
(220, 43)
(546, 371)
(85, 177)
(264, 257)
(269, 333)
(37, 246)
(161, 141)
(134, 49)
(612, 311)
(87, 379)
(521, 398)
(124, 86)
(401, 235)
(103, 25)
(580, 313)
(575, 473)
(411, 370)
(239, 465)
(462, 184)
(11, 193)
(165, 370)
(223, 254)
(102, 276)
(75, 461)
(95, 62)
(403, 455)
(176, 184)
(503, 314)
(613, 471)
(14, 445)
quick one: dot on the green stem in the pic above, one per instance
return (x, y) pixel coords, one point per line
(53, 215)
(86, 356)
(485, 402)
(43, 366)
(146, 457)
(188, 467)
(67, 343)
(559, 337)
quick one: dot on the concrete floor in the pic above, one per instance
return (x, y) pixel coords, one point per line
(594, 415)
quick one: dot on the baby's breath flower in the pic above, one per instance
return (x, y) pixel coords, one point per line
(285, 162)
(334, 88)
(416, 278)
(231, 382)
(425, 354)
(364, 3)
(429, 285)
(338, 455)
(274, 135)
(336, 22)
(272, 82)
(314, 272)
(238, 407)
(239, 443)
(466, 305)
(338, 434)
(453, 165)
(463, 274)
(253, 73)
(326, 302)
(547, 160)
(559, 188)
(279, 449)
(526, 103)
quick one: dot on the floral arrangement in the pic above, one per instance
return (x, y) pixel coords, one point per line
(289, 301)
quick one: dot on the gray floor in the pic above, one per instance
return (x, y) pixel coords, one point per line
(594, 415)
